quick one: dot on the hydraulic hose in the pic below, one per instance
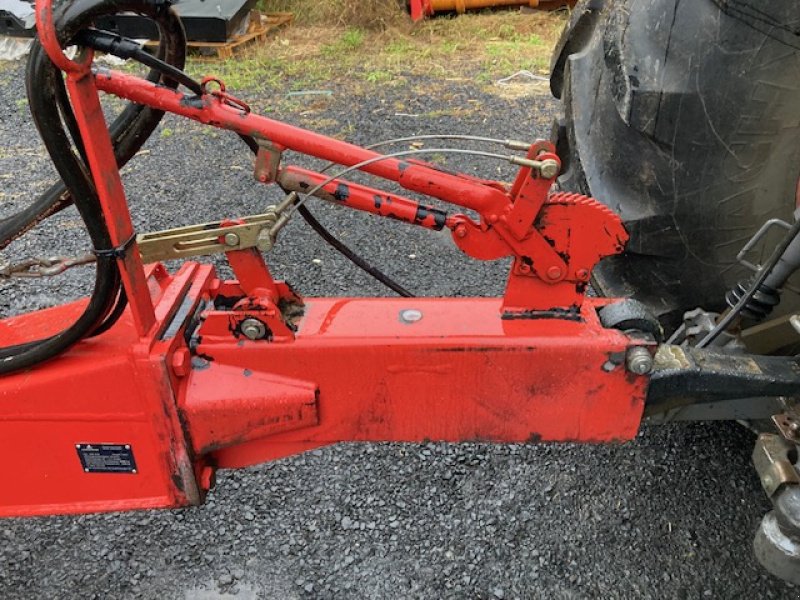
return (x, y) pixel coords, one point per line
(128, 131)
(54, 120)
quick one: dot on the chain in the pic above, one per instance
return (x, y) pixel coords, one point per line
(44, 267)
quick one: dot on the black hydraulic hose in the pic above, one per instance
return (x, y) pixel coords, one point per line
(124, 48)
(114, 315)
(357, 260)
(128, 131)
(74, 175)
(107, 301)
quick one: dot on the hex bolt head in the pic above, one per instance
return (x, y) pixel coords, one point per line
(231, 239)
(253, 329)
(639, 360)
(553, 273)
(549, 168)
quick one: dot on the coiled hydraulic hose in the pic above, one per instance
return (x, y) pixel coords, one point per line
(54, 120)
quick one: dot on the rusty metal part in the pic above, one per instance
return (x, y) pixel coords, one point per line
(788, 423)
(420, 9)
(777, 541)
(774, 459)
(688, 375)
(45, 267)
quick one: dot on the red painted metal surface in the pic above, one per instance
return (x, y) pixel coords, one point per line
(450, 370)
(113, 389)
(186, 384)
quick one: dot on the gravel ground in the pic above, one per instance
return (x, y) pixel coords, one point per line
(670, 515)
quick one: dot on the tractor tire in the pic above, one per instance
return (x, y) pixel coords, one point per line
(684, 118)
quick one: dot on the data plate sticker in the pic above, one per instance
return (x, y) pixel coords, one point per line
(106, 458)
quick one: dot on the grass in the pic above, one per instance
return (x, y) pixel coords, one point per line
(362, 14)
(482, 47)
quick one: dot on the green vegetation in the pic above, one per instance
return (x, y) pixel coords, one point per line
(306, 56)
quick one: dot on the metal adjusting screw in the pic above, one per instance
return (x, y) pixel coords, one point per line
(639, 360)
(549, 168)
(253, 329)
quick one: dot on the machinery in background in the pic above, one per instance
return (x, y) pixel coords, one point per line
(203, 20)
(421, 9)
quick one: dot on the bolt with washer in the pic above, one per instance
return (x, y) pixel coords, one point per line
(549, 168)
(639, 360)
(253, 329)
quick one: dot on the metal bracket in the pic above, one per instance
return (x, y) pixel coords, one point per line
(207, 238)
(772, 457)
(255, 231)
(788, 423)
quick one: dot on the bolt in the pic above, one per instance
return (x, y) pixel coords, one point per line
(231, 239)
(253, 329)
(639, 360)
(582, 274)
(549, 168)
(553, 273)
(181, 362)
(492, 219)
(461, 231)
(794, 428)
(410, 315)
(523, 268)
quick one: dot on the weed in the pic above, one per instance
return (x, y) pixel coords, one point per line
(378, 76)
(373, 15)
(351, 40)
(482, 47)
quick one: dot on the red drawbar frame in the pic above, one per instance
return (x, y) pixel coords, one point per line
(178, 384)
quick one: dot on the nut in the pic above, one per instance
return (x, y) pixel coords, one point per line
(253, 329)
(553, 273)
(231, 239)
(639, 360)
